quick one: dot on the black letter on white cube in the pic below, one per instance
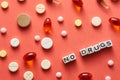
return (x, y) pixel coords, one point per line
(72, 57)
(109, 43)
(83, 52)
(66, 59)
(96, 48)
(102, 45)
(90, 50)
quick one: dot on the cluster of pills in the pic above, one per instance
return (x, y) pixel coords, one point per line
(24, 20)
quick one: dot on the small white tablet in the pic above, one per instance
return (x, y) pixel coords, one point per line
(46, 43)
(13, 66)
(14, 42)
(28, 75)
(45, 64)
(40, 8)
(96, 21)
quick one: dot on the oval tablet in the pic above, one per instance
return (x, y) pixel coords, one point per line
(45, 64)
(40, 8)
(23, 20)
(46, 43)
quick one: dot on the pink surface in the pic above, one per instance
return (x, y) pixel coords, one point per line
(77, 39)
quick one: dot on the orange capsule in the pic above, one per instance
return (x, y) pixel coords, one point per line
(29, 58)
(53, 1)
(78, 4)
(115, 23)
(103, 4)
(47, 25)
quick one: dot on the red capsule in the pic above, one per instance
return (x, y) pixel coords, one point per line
(85, 76)
(29, 58)
(47, 25)
(103, 3)
(49, 1)
(78, 3)
(114, 0)
(115, 23)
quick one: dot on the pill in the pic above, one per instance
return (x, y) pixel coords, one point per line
(78, 22)
(96, 21)
(3, 30)
(63, 33)
(60, 19)
(45, 64)
(37, 38)
(58, 74)
(40, 8)
(13, 66)
(3, 53)
(46, 43)
(21, 0)
(107, 78)
(4, 4)
(23, 20)
(14, 42)
(28, 75)
(110, 62)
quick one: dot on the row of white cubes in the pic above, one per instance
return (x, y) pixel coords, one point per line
(88, 50)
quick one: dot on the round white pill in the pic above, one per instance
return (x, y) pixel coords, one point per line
(45, 64)
(96, 21)
(28, 75)
(37, 38)
(60, 19)
(14, 42)
(78, 22)
(110, 62)
(3, 53)
(58, 74)
(107, 78)
(13, 66)
(46, 43)
(63, 33)
(4, 4)
(3, 30)
(40, 8)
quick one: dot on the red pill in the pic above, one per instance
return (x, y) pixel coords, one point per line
(47, 25)
(49, 1)
(78, 3)
(29, 58)
(115, 23)
(103, 3)
(114, 0)
(85, 76)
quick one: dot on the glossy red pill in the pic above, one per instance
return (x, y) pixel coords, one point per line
(85, 76)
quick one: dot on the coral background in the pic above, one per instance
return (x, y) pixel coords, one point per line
(77, 39)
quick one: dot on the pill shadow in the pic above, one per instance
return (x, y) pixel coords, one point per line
(70, 65)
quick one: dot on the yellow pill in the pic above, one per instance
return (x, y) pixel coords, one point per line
(78, 23)
(3, 53)
(4, 5)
